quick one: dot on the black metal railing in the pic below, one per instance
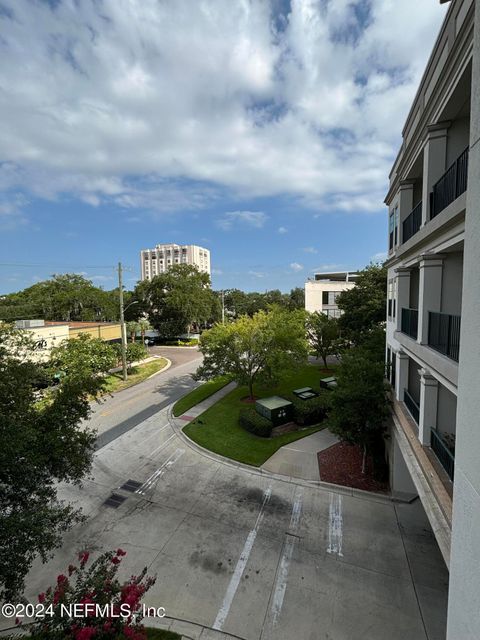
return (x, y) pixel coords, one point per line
(451, 185)
(444, 333)
(410, 322)
(411, 405)
(412, 223)
(443, 453)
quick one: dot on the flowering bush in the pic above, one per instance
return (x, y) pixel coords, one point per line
(100, 606)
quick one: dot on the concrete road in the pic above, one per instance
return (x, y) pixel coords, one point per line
(239, 551)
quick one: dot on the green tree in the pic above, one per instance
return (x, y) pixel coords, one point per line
(254, 349)
(83, 355)
(359, 404)
(179, 300)
(42, 445)
(144, 326)
(131, 327)
(323, 335)
(135, 353)
(364, 306)
(296, 298)
(64, 297)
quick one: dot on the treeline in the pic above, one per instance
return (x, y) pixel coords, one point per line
(175, 302)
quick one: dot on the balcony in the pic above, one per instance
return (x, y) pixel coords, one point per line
(444, 334)
(412, 405)
(451, 185)
(445, 456)
(412, 223)
(410, 322)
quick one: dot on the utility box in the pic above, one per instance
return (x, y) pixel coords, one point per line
(276, 409)
(328, 383)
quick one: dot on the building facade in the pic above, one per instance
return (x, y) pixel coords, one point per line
(322, 292)
(163, 256)
(433, 309)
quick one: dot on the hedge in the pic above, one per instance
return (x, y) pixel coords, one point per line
(253, 422)
(312, 411)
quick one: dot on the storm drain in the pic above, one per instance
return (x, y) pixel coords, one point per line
(114, 501)
(131, 485)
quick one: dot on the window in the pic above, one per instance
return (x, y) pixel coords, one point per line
(330, 297)
(393, 222)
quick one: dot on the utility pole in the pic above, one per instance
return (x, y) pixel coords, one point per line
(223, 306)
(122, 322)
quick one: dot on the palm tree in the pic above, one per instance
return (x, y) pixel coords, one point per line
(132, 328)
(144, 325)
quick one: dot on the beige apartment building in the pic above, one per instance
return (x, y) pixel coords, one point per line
(322, 291)
(163, 256)
(433, 312)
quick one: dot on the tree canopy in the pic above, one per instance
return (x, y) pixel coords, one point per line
(254, 349)
(66, 297)
(323, 335)
(239, 303)
(42, 444)
(364, 306)
(178, 300)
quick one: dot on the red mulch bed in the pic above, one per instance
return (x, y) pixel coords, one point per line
(248, 399)
(342, 464)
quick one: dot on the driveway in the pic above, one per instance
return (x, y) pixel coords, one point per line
(241, 551)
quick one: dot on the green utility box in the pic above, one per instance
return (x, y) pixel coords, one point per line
(276, 409)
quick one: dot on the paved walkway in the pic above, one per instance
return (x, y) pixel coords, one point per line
(299, 459)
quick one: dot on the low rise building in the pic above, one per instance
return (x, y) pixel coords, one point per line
(322, 291)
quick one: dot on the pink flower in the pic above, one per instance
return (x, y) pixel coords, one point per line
(86, 633)
(83, 557)
(62, 579)
(41, 597)
(121, 552)
(116, 560)
(71, 569)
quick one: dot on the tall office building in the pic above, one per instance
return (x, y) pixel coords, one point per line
(433, 313)
(163, 256)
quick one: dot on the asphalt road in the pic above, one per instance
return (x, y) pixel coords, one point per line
(246, 553)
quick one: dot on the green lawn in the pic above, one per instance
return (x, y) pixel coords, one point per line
(141, 372)
(221, 433)
(197, 395)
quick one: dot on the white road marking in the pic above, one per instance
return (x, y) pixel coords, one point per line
(282, 575)
(335, 525)
(156, 474)
(163, 445)
(240, 567)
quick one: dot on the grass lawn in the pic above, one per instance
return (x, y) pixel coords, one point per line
(221, 433)
(197, 395)
(141, 372)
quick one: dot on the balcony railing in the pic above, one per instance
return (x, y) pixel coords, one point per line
(444, 334)
(412, 223)
(451, 185)
(411, 405)
(410, 322)
(443, 453)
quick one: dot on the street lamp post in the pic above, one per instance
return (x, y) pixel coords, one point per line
(122, 321)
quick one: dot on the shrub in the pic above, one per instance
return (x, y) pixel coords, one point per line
(312, 411)
(97, 586)
(253, 422)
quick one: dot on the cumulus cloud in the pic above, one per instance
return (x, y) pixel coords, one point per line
(254, 219)
(295, 266)
(282, 230)
(164, 105)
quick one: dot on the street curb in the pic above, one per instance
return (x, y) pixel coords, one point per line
(177, 427)
(186, 627)
(167, 366)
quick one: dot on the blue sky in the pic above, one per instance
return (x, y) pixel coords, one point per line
(262, 130)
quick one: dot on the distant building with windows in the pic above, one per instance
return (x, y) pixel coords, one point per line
(322, 291)
(163, 256)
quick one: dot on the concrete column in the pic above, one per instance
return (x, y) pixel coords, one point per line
(464, 589)
(434, 162)
(429, 291)
(428, 405)
(401, 375)
(403, 294)
(405, 205)
(401, 482)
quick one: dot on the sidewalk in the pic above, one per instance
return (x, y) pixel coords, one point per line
(202, 406)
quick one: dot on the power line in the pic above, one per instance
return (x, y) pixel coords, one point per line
(58, 266)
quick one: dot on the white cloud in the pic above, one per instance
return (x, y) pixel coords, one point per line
(295, 266)
(310, 250)
(257, 274)
(164, 105)
(217, 272)
(254, 219)
(282, 230)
